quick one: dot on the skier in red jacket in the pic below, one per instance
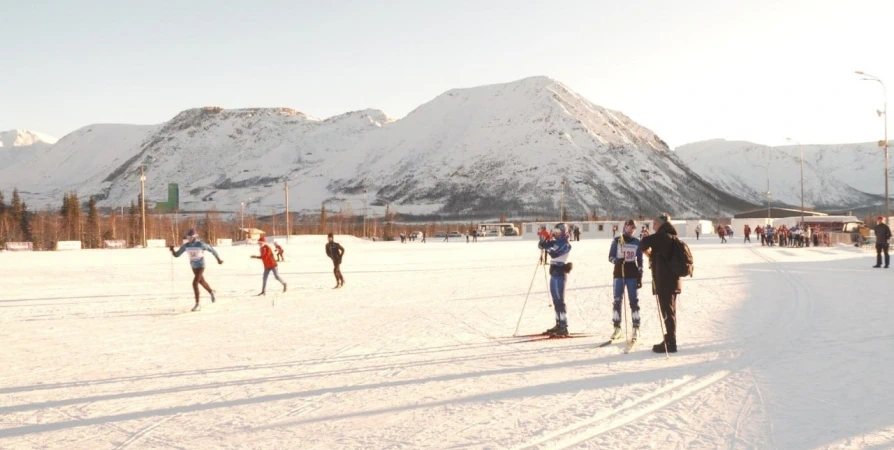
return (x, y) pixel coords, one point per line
(269, 265)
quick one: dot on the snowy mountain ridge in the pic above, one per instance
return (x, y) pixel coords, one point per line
(835, 176)
(489, 150)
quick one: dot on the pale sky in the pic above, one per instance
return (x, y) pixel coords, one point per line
(758, 70)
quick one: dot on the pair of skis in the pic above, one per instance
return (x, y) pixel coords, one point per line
(630, 345)
(546, 337)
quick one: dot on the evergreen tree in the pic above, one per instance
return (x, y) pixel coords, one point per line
(25, 224)
(132, 221)
(15, 218)
(3, 226)
(323, 220)
(91, 237)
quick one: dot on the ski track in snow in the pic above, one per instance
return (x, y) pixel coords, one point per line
(415, 352)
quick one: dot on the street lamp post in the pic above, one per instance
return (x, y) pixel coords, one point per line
(143, 203)
(801, 151)
(562, 204)
(884, 112)
(364, 213)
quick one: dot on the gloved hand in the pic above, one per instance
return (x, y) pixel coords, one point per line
(613, 260)
(220, 261)
(639, 283)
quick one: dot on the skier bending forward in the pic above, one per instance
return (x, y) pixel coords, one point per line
(196, 250)
(558, 248)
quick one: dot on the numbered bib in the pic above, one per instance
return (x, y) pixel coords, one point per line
(627, 252)
(195, 254)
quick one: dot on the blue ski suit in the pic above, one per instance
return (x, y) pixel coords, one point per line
(558, 250)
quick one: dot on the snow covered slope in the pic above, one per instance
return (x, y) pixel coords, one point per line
(480, 151)
(834, 175)
(99, 352)
(19, 144)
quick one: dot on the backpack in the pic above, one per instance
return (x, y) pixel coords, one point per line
(680, 260)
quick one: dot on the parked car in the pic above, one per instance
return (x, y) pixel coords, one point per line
(440, 234)
(454, 234)
(492, 233)
(510, 232)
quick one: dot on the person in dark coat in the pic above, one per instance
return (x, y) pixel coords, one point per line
(335, 252)
(665, 284)
(882, 242)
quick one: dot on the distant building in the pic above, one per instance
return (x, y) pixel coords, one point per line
(776, 213)
(173, 203)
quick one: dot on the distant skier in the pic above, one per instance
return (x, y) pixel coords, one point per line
(279, 252)
(576, 233)
(698, 231)
(196, 250)
(423, 237)
(335, 252)
(627, 258)
(269, 265)
(882, 242)
(614, 230)
(558, 248)
(760, 233)
(721, 231)
(643, 233)
(771, 234)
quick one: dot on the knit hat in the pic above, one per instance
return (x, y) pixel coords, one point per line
(262, 239)
(663, 218)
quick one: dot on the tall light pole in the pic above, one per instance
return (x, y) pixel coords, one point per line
(143, 203)
(562, 204)
(288, 222)
(884, 112)
(767, 167)
(364, 213)
(242, 215)
(800, 150)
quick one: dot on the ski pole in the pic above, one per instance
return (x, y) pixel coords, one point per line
(537, 267)
(661, 320)
(624, 300)
(546, 283)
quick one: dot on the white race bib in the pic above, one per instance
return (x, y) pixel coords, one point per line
(195, 254)
(627, 252)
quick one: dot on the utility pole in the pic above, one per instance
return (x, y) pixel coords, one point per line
(288, 222)
(883, 112)
(562, 204)
(364, 213)
(143, 202)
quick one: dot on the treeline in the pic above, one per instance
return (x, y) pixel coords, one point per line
(85, 222)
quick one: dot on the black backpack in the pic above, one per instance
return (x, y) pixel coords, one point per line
(680, 260)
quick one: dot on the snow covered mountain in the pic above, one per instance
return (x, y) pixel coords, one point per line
(835, 176)
(19, 144)
(480, 151)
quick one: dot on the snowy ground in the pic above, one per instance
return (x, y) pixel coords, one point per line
(779, 348)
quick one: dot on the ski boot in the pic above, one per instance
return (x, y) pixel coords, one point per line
(196, 308)
(552, 330)
(562, 331)
(263, 293)
(212, 297)
(617, 334)
(284, 286)
(635, 336)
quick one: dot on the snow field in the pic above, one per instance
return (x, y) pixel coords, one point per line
(779, 348)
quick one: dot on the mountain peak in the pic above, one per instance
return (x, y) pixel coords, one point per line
(20, 137)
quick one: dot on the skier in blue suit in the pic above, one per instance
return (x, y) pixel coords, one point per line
(558, 249)
(196, 250)
(627, 258)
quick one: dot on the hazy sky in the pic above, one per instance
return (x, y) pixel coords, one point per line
(759, 70)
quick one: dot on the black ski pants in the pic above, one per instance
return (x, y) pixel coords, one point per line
(879, 249)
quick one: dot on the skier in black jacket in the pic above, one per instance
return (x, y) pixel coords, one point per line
(665, 284)
(335, 252)
(882, 243)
